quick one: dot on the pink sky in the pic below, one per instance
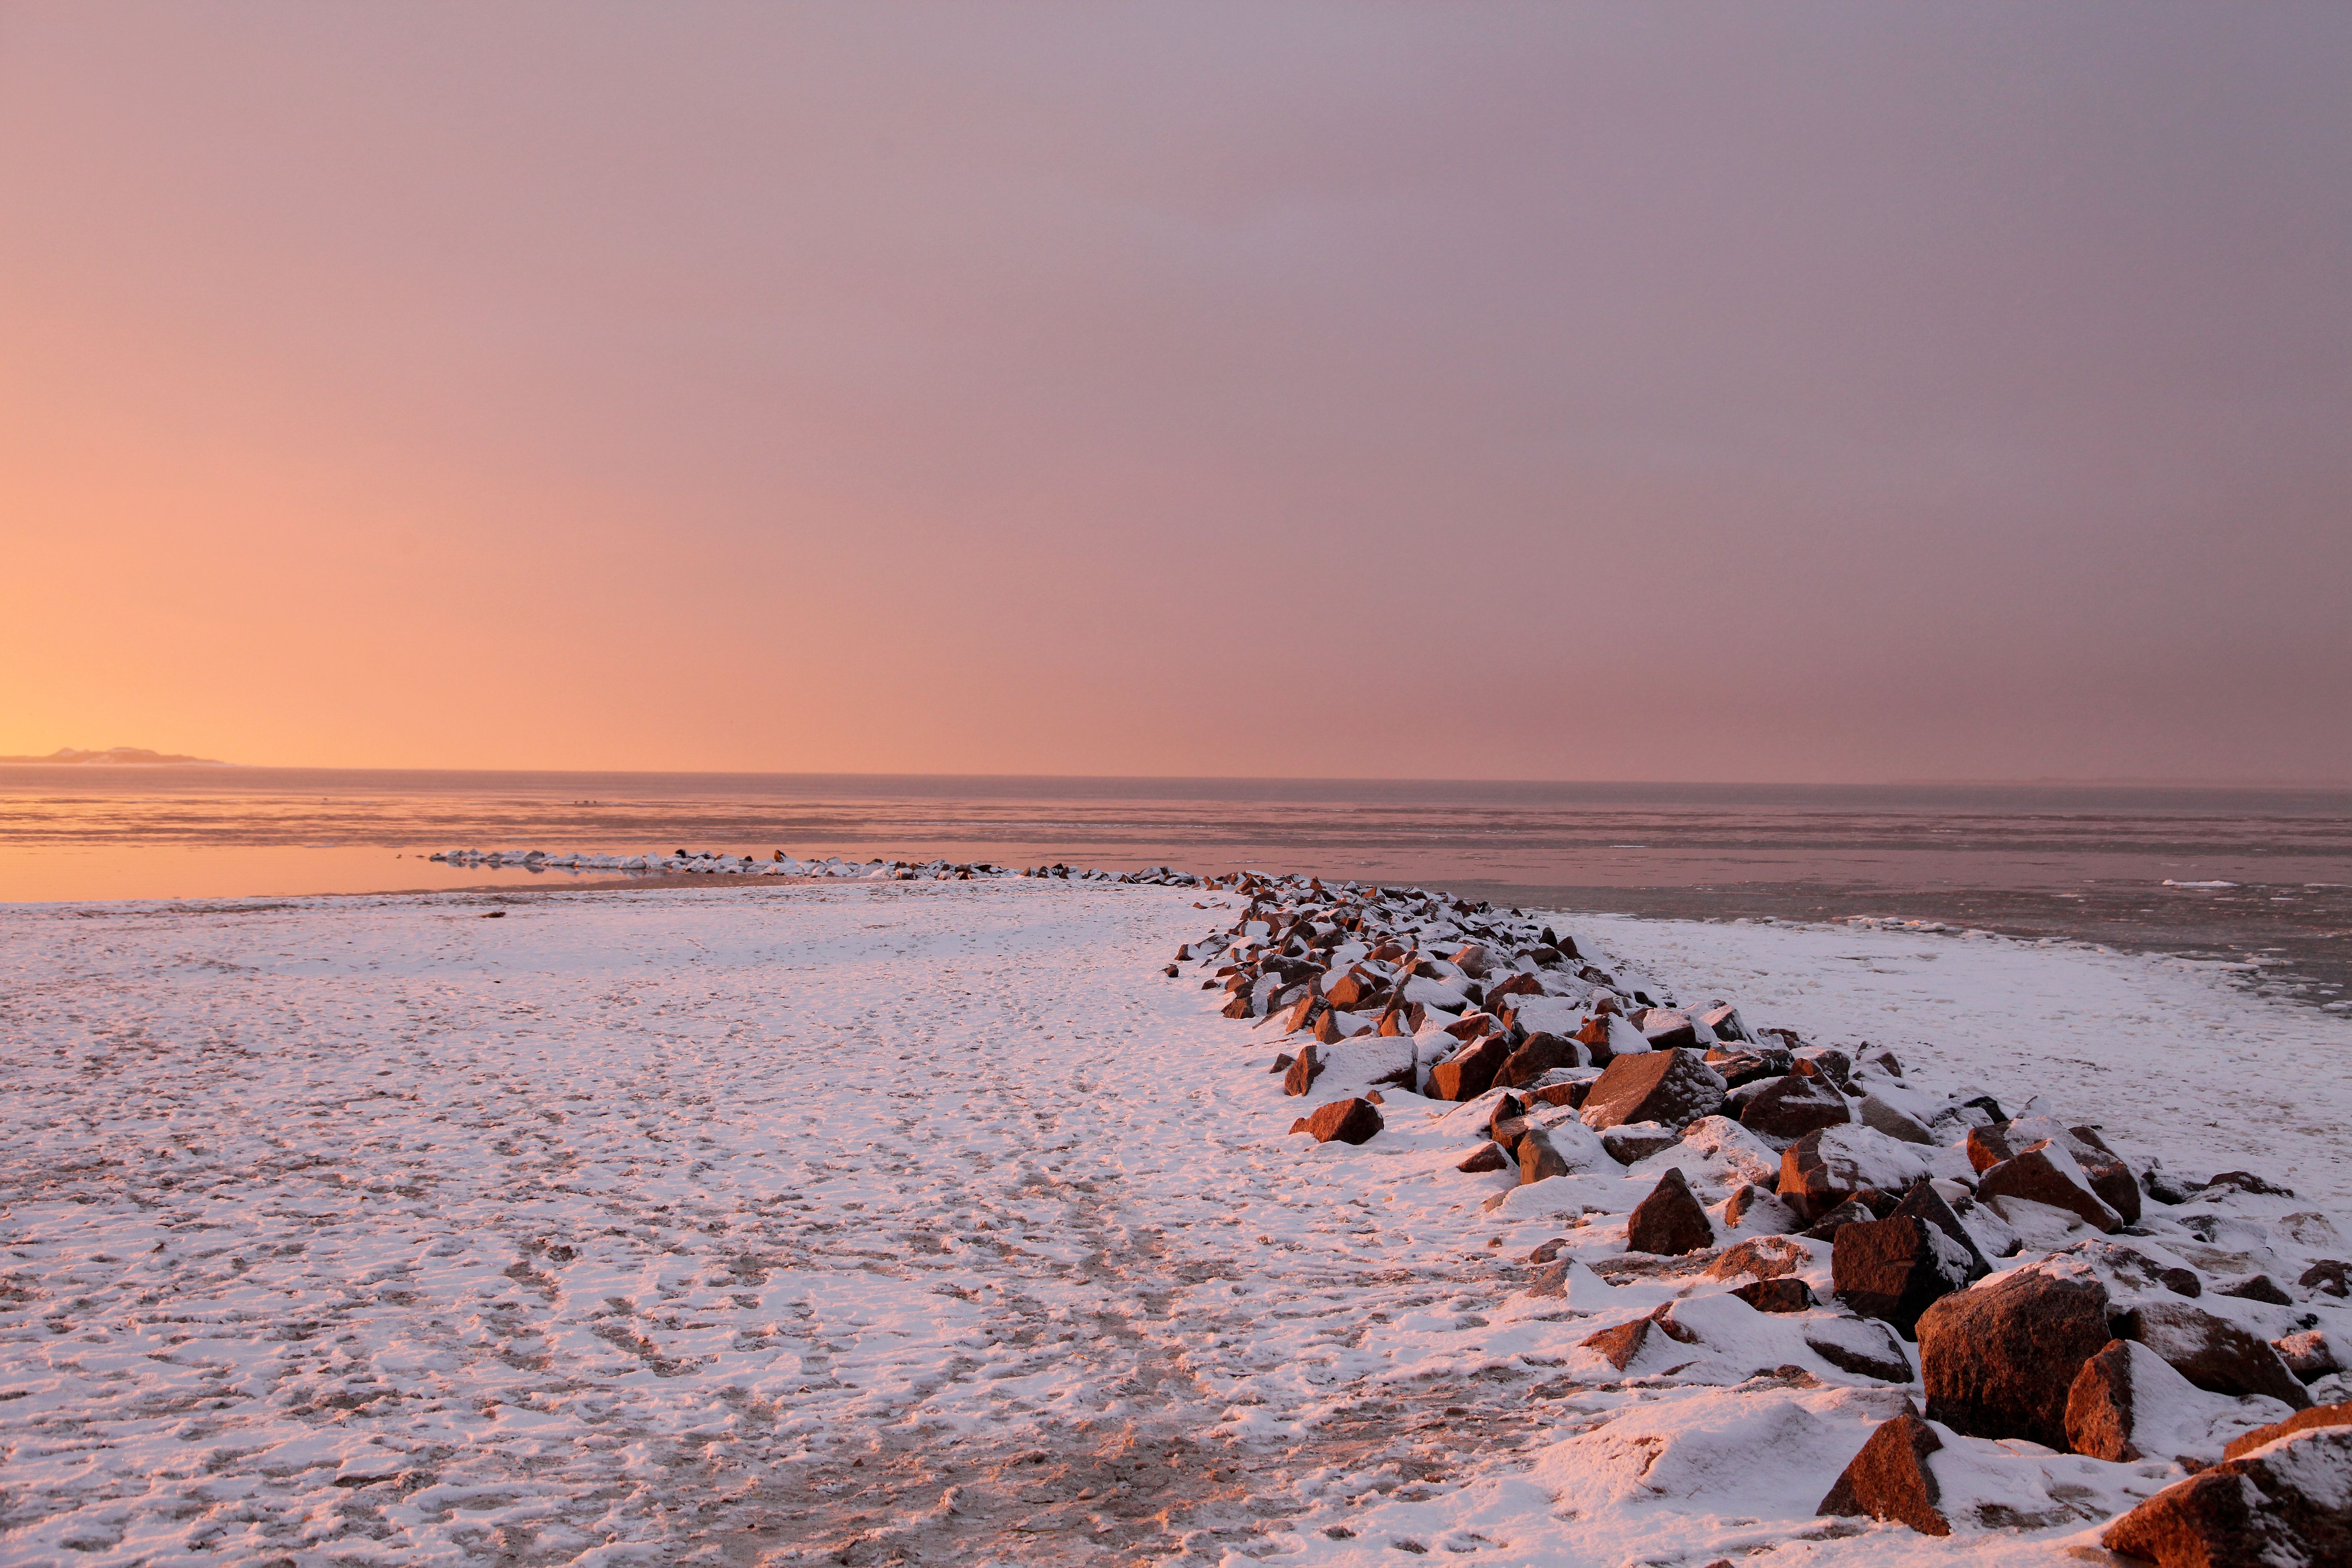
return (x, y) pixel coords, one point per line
(1713, 391)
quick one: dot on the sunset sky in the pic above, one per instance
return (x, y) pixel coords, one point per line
(1712, 391)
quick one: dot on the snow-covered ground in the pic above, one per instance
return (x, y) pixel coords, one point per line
(919, 1222)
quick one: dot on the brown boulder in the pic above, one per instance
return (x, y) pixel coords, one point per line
(2309, 1420)
(2330, 1277)
(1239, 1007)
(1859, 1345)
(1671, 1221)
(1791, 1295)
(1762, 1256)
(2047, 1173)
(1470, 1071)
(1998, 1360)
(2308, 1354)
(1620, 1344)
(1671, 1086)
(1894, 1269)
(2213, 1352)
(1304, 1070)
(1890, 1479)
(1539, 1054)
(1923, 1202)
(1635, 1140)
(2279, 1508)
(1759, 1208)
(2256, 1288)
(1489, 1157)
(1346, 1121)
(2100, 1410)
(2103, 1169)
(1349, 990)
(1823, 1169)
(1791, 1106)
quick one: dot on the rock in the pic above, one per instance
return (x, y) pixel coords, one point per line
(1636, 1140)
(1823, 1169)
(1546, 1251)
(2111, 1178)
(1860, 1346)
(1304, 1071)
(1787, 1294)
(1874, 1113)
(1489, 1157)
(2047, 1173)
(2330, 1277)
(1854, 1211)
(1349, 991)
(1299, 1125)
(1346, 1121)
(2310, 1420)
(2213, 1352)
(1751, 1064)
(1671, 1086)
(2126, 1405)
(1669, 1029)
(1890, 1479)
(1834, 1064)
(1723, 1020)
(1893, 1269)
(1540, 1053)
(1620, 1344)
(1763, 1257)
(1751, 1207)
(1560, 1150)
(1670, 1222)
(2101, 1406)
(2310, 1354)
(1239, 1007)
(1923, 1202)
(2247, 1181)
(1470, 1071)
(1998, 1360)
(2182, 1281)
(2255, 1288)
(2288, 1507)
(1282, 1060)
(1792, 1106)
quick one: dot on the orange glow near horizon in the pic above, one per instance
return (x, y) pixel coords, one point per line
(1386, 391)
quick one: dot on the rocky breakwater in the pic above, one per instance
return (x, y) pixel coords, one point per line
(2070, 1337)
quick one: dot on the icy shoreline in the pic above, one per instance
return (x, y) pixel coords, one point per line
(622, 1228)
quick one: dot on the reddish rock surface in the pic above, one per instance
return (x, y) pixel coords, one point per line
(1890, 1479)
(1791, 1106)
(1470, 1071)
(1674, 1088)
(1671, 1221)
(1894, 1269)
(1346, 1121)
(2287, 1507)
(1999, 1359)
(2213, 1352)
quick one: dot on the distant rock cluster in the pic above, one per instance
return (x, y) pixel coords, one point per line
(2133, 1316)
(711, 863)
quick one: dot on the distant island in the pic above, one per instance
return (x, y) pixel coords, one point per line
(116, 755)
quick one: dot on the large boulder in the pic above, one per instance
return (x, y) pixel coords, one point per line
(1345, 1121)
(1305, 1069)
(1671, 1086)
(1923, 1202)
(2047, 1173)
(1470, 1071)
(2301, 1421)
(1539, 1054)
(1894, 1269)
(1998, 1360)
(1823, 1169)
(2104, 1170)
(1790, 1107)
(1890, 1479)
(1561, 1148)
(1859, 1345)
(2127, 1404)
(2213, 1352)
(1671, 1221)
(2285, 1505)
(1760, 1258)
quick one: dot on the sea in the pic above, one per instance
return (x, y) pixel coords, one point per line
(2259, 879)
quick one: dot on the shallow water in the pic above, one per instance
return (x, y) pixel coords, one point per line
(2084, 862)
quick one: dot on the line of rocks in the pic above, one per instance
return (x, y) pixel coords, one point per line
(712, 863)
(2083, 1340)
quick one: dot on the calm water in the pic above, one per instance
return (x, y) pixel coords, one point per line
(2059, 861)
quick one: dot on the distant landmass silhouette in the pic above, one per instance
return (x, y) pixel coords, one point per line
(116, 755)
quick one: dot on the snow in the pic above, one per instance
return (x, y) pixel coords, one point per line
(844, 1219)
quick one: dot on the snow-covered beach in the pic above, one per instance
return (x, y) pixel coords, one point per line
(922, 1221)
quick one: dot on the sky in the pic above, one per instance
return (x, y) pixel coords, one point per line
(1804, 393)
